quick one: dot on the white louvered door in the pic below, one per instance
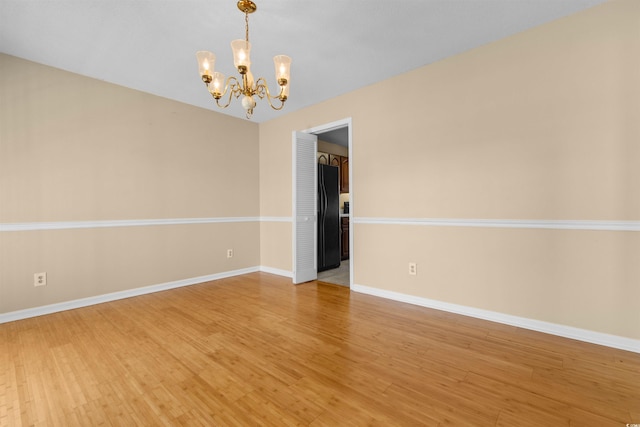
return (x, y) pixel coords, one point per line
(305, 191)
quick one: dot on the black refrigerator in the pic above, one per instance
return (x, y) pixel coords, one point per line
(328, 218)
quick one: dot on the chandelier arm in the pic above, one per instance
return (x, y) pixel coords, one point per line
(232, 87)
(225, 105)
(262, 90)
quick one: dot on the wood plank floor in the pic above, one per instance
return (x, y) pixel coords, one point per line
(257, 350)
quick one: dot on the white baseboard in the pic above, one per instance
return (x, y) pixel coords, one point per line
(599, 338)
(277, 271)
(85, 302)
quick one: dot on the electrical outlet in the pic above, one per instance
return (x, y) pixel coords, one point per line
(229, 253)
(40, 279)
(413, 268)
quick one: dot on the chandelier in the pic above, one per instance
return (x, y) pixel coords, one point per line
(246, 86)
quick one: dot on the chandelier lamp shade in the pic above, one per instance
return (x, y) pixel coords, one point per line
(245, 86)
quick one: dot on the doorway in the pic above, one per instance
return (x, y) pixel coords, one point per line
(340, 133)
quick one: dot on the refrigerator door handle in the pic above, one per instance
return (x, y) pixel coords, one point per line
(321, 217)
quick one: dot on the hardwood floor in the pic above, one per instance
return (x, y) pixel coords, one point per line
(257, 350)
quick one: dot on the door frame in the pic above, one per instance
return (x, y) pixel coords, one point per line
(339, 124)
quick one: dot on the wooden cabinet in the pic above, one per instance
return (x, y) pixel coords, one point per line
(323, 158)
(344, 174)
(342, 163)
(344, 238)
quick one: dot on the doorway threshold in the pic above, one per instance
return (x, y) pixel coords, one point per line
(336, 276)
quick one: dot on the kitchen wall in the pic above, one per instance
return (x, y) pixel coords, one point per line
(344, 197)
(108, 189)
(331, 148)
(508, 173)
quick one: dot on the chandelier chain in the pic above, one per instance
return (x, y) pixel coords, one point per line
(246, 26)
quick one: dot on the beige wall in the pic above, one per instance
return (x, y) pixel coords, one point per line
(78, 149)
(539, 126)
(331, 148)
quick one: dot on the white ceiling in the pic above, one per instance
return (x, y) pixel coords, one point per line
(336, 45)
